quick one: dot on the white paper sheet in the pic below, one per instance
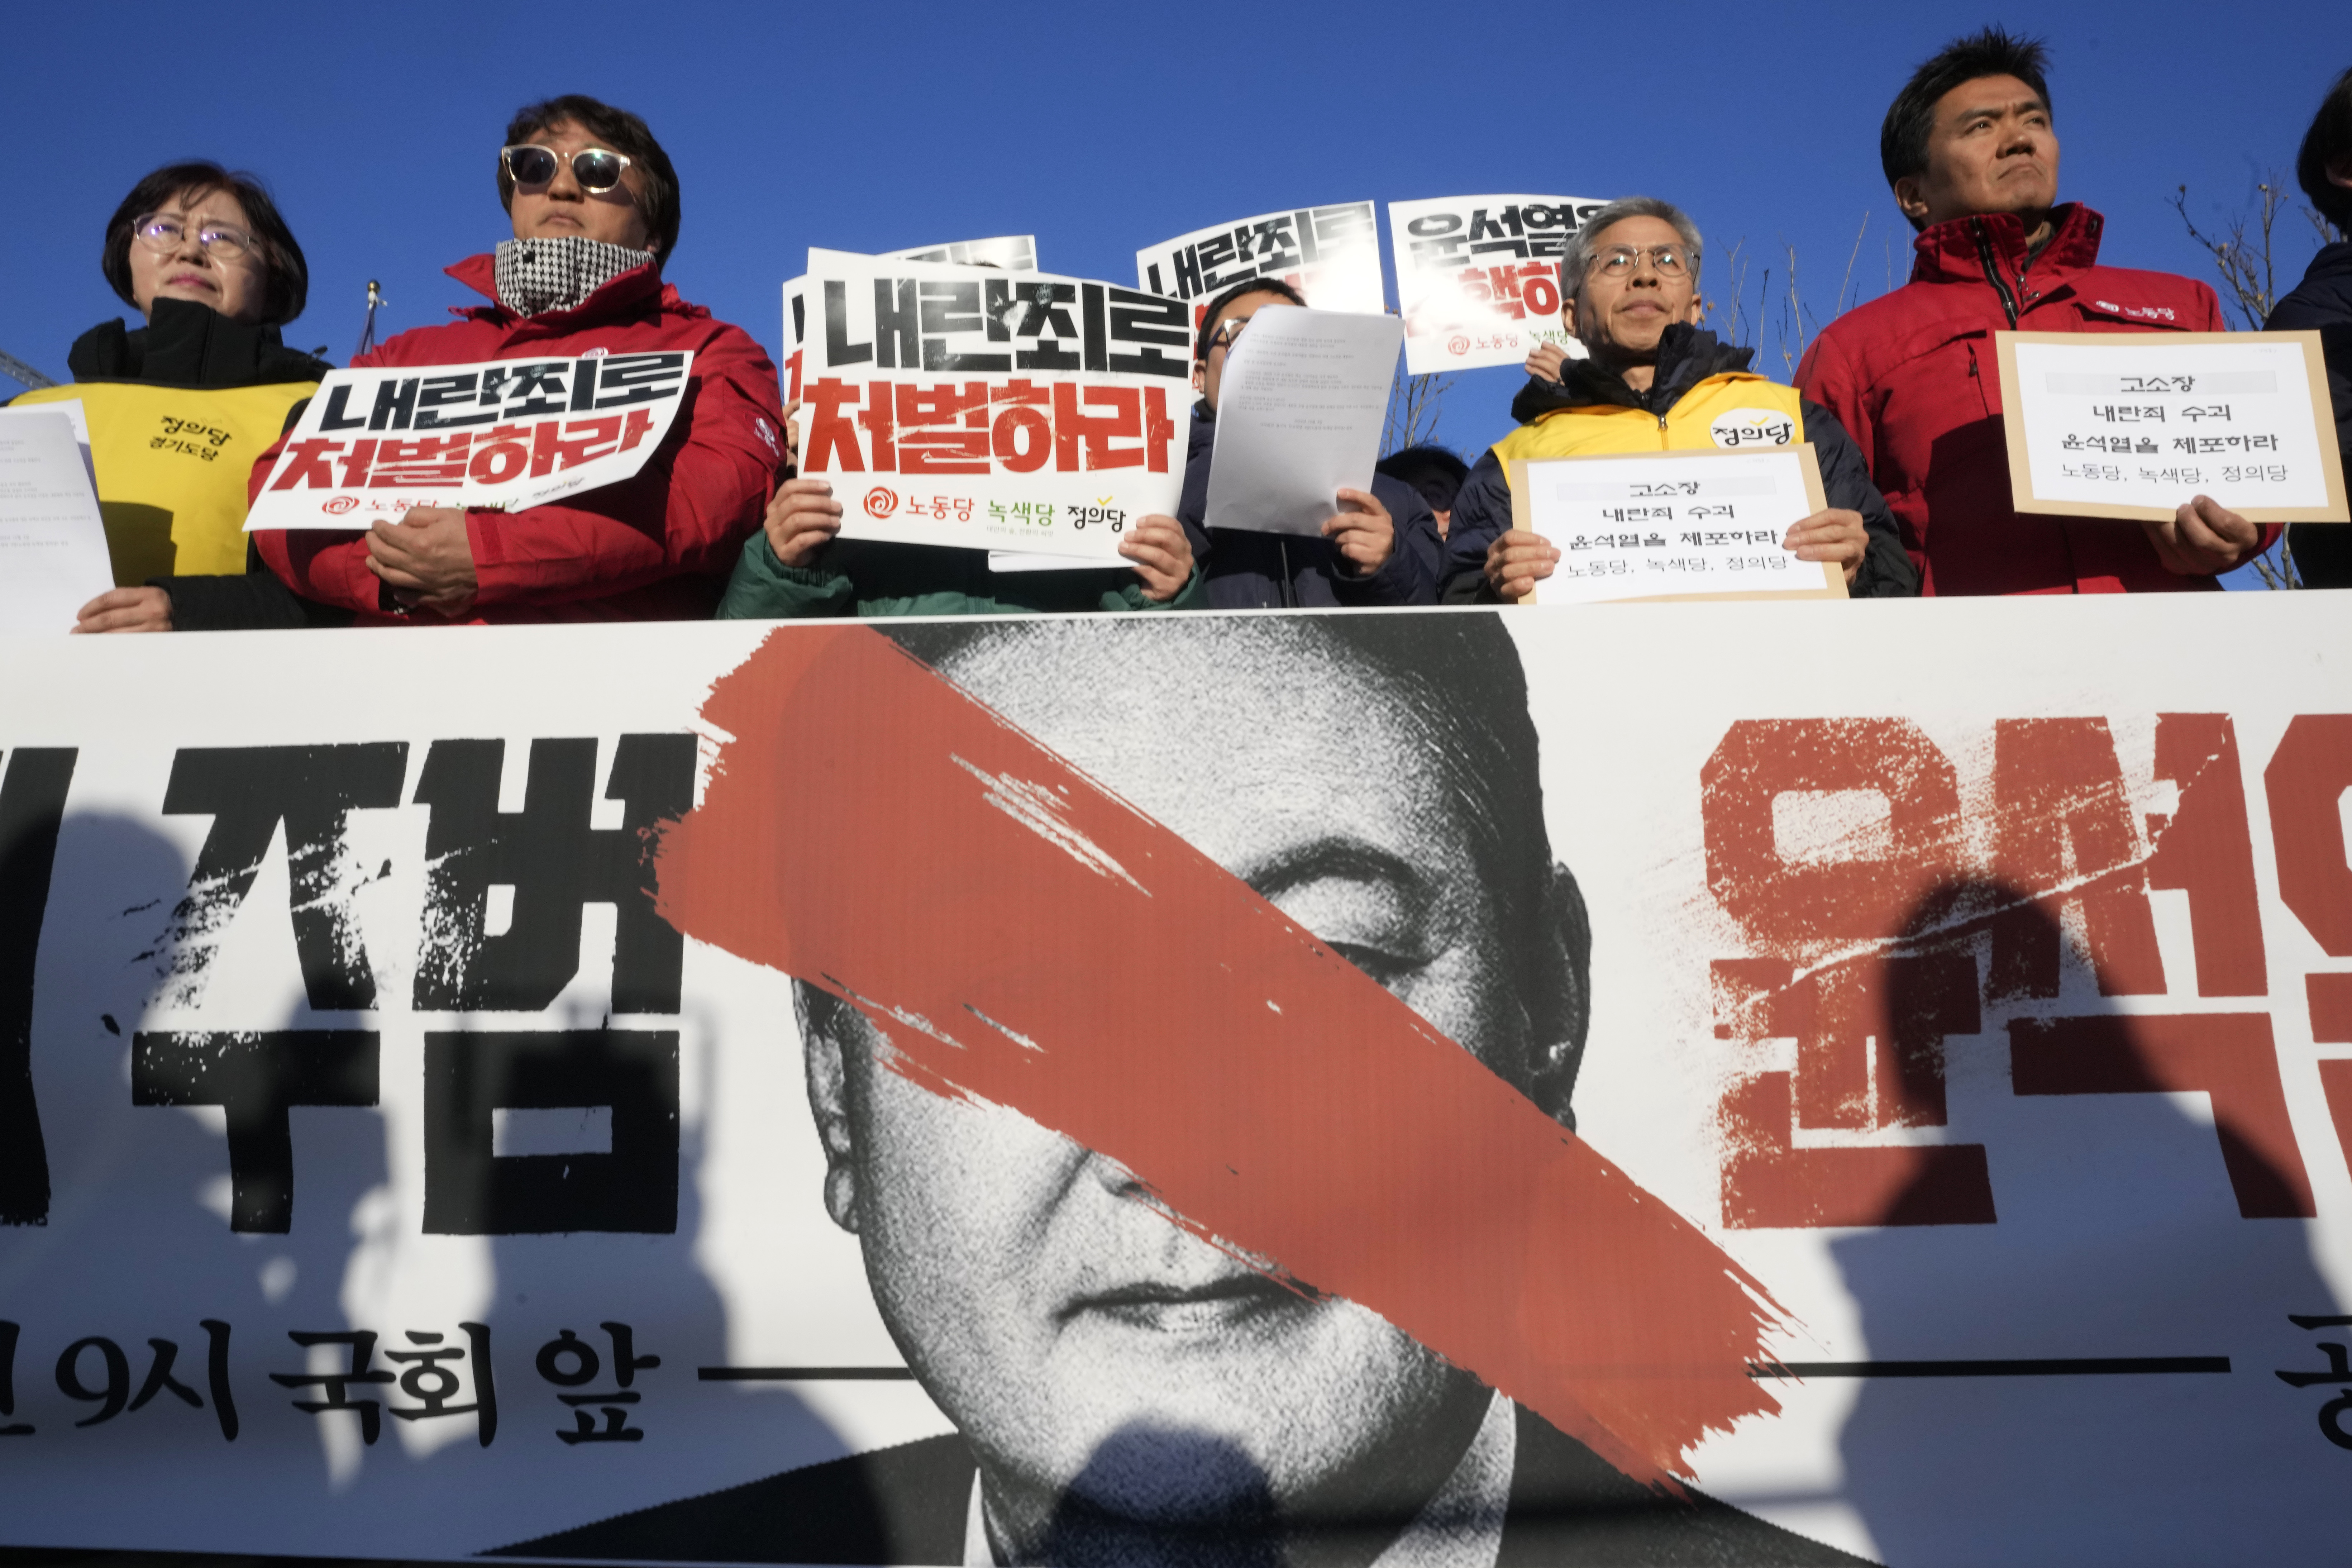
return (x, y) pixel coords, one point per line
(52, 557)
(2141, 420)
(1299, 409)
(1669, 523)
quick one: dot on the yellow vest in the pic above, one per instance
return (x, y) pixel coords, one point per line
(172, 462)
(1735, 409)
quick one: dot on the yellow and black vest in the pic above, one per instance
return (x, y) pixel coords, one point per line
(172, 463)
(1734, 409)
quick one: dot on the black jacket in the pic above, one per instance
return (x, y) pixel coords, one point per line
(1251, 570)
(188, 344)
(1687, 356)
(2322, 302)
(907, 1505)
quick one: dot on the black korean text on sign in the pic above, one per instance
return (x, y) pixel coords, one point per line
(555, 862)
(427, 1374)
(569, 1361)
(8, 1333)
(257, 1079)
(1529, 232)
(114, 1396)
(471, 1190)
(32, 808)
(2337, 1374)
(1266, 247)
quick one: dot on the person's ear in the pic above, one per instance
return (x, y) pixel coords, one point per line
(1200, 377)
(2339, 173)
(823, 1021)
(1696, 311)
(1559, 991)
(1911, 197)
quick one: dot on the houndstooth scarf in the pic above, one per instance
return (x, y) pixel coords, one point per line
(536, 275)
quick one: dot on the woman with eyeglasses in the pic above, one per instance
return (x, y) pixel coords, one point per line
(180, 408)
(594, 205)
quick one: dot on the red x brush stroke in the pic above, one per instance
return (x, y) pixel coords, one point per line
(983, 901)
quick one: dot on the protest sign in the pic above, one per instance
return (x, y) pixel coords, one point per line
(954, 406)
(795, 330)
(505, 434)
(1010, 253)
(1299, 407)
(53, 556)
(1697, 523)
(1331, 255)
(700, 1067)
(2132, 425)
(1478, 276)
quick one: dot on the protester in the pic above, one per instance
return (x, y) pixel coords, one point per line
(1968, 147)
(1380, 545)
(594, 205)
(1654, 381)
(179, 409)
(1436, 474)
(2322, 302)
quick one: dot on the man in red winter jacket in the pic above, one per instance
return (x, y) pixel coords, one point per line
(596, 209)
(1969, 148)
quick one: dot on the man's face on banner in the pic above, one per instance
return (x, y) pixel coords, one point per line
(1042, 1298)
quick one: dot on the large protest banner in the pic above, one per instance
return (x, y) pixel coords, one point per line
(506, 433)
(412, 1146)
(1331, 254)
(967, 407)
(1478, 276)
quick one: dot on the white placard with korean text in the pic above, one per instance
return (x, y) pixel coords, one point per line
(1006, 252)
(52, 557)
(2132, 425)
(961, 407)
(1331, 254)
(504, 434)
(1478, 276)
(795, 330)
(1686, 524)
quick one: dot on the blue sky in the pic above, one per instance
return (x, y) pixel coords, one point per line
(867, 127)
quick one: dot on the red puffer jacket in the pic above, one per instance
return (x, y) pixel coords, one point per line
(1913, 377)
(656, 547)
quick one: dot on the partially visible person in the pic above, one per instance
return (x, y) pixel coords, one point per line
(1379, 546)
(1653, 381)
(179, 408)
(594, 205)
(1970, 149)
(1436, 474)
(2322, 302)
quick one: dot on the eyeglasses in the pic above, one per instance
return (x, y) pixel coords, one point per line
(595, 168)
(1227, 332)
(1620, 261)
(165, 232)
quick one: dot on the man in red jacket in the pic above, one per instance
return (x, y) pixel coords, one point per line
(1969, 148)
(596, 209)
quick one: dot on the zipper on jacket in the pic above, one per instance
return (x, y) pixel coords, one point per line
(1993, 271)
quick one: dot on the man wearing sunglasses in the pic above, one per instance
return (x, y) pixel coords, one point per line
(593, 203)
(1655, 381)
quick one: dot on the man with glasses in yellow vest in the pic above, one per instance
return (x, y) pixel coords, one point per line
(1654, 380)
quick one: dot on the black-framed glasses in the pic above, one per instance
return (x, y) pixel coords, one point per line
(1228, 332)
(1666, 260)
(165, 232)
(596, 168)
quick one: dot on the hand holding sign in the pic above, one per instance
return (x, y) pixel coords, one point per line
(2203, 539)
(801, 520)
(427, 558)
(1362, 531)
(1835, 535)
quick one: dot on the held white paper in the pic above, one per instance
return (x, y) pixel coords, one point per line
(1006, 252)
(1642, 527)
(2142, 421)
(986, 410)
(52, 557)
(1478, 276)
(1298, 415)
(507, 434)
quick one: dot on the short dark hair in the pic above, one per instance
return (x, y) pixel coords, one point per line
(1435, 473)
(621, 130)
(1911, 118)
(288, 286)
(1225, 302)
(1459, 680)
(2329, 143)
